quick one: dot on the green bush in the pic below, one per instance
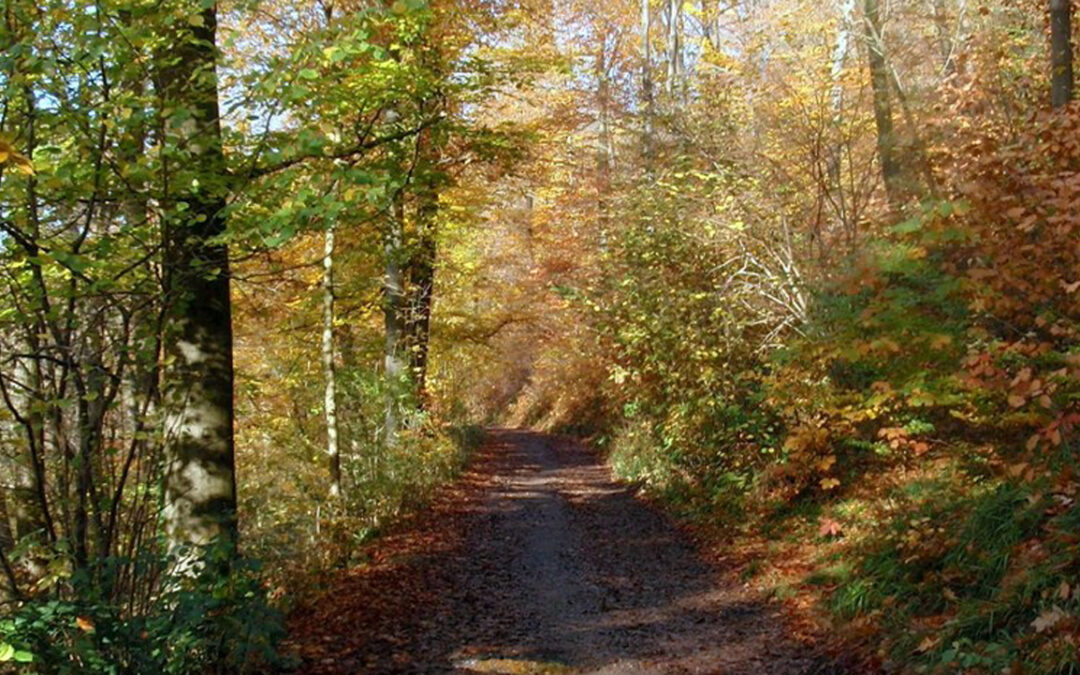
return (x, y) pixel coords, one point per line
(209, 623)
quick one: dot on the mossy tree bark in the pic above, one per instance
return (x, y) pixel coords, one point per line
(200, 479)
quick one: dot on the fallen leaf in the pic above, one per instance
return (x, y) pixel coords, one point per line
(928, 643)
(1048, 619)
(830, 528)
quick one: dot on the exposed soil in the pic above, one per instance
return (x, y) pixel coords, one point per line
(537, 562)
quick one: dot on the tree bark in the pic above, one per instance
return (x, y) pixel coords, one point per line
(674, 13)
(10, 587)
(647, 83)
(200, 478)
(422, 289)
(329, 375)
(605, 152)
(1061, 57)
(944, 39)
(393, 318)
(879, 81)
(840, 52)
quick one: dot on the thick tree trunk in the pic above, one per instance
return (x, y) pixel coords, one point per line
(393, 318)
(200, 479)
(329, 374)
(879, 81)
(1061, 58)
(422, 290)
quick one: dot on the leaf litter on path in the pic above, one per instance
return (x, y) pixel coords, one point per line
(537, 562)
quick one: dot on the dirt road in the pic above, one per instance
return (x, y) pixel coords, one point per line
(539, 563)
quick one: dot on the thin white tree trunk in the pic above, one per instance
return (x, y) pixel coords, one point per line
(329, 374)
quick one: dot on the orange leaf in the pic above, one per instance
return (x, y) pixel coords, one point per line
(830, 528)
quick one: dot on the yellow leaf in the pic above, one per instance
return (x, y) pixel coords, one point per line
(826, 462)
(829, 483)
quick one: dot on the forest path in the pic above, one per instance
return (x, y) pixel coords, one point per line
(538, 562)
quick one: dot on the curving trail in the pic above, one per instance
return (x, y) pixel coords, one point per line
(537, 562)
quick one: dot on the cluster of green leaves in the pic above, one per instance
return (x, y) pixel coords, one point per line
(208, 622)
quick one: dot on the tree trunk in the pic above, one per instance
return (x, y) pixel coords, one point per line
(10, 587)
(329, 375)
(393, 318)
(605, 152)
(879, 81)
(1061, 58)
(674, 12)
(840, 52)
(647, 83)
(30, 509)
(7, 540)
(200, 479)
(422, 292)
(944, 39)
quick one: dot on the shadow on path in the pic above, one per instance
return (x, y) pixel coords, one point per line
(551, 568)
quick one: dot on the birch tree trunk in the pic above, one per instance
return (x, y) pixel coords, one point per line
(840, 52)
(393, 318)
(674, 11)
(329, 373)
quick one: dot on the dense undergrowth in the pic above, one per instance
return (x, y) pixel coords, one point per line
(100, 621)
(905, 468)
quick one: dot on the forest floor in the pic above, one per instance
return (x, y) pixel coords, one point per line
(536, 561)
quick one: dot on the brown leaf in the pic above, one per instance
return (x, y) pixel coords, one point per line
(1048, 619)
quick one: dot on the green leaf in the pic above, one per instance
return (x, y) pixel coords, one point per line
(7, 652)
(309, 74)
(24, 657)
(908, 226)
